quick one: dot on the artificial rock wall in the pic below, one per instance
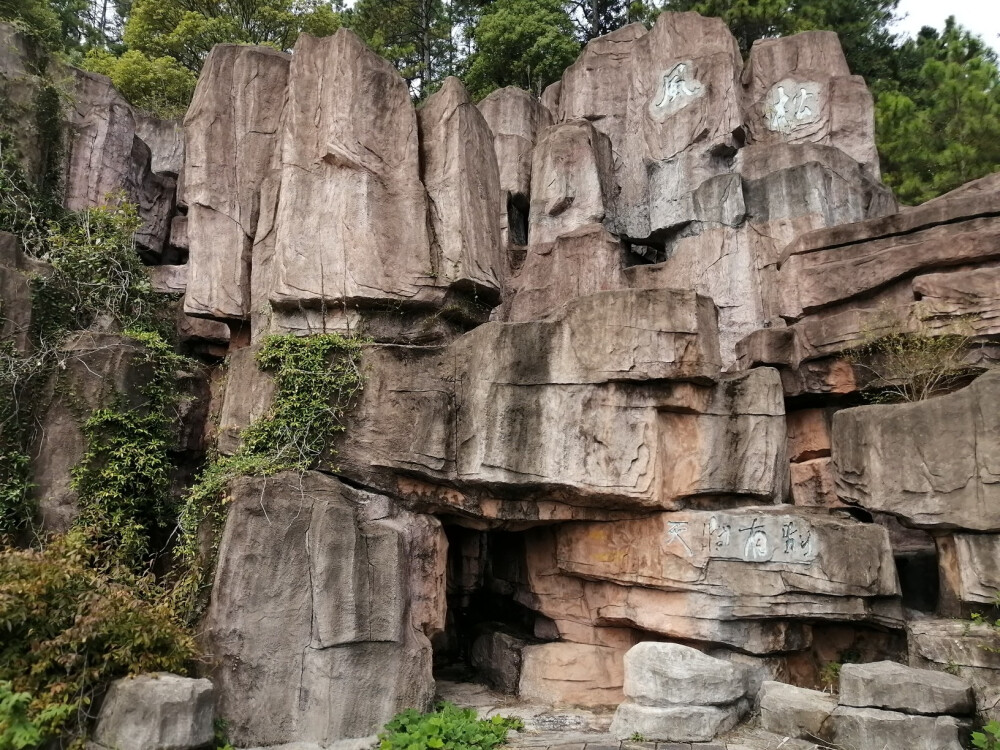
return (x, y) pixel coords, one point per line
(607, 382)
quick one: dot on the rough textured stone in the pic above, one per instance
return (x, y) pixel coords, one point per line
(799, 89)
(970, 571)
(463, 189)
(970, 650)
(95, 368)
(515, 117)
(165, 139)
(572, 673)
(231, 134)
(168, 279)
(323, 602)
(896, 687)
(750, 551)
(812, 484)
(156, 712)
(889, 730)
(674, 723)
(661, 674)
(808, 434)
(796, 712)
(496, 655)
(106, 157)
(933, 463)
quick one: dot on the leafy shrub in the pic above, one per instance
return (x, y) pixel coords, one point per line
(448, 727)
(71, 624)
(989, 738)
(159, 85)
(913, 365)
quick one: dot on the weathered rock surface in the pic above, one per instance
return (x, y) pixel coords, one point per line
(970, 571)
(795, 712)
(463, 189)
(340, 591)
(165, 139)
(750, 551)
(799, 89)
(896, 687)
(156, 712)
(870, 727)
(659, 674)
(95, 369)
(572, 674)
(970, 650)
(231, 135)
(933, 463)
(674, 723)
(496, 655)
(16, 270)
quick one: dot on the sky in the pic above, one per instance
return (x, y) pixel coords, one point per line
(979, 16)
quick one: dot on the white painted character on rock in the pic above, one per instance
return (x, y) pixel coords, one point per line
(675, 529)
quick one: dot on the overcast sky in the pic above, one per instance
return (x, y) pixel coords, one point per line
(979, 16)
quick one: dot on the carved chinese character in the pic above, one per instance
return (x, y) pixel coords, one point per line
(675, 529)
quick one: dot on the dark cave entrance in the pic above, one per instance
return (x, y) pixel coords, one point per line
(486, 625)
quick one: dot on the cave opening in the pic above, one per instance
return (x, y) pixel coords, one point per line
(487, 623)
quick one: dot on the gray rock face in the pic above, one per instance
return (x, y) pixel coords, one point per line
(156, 712)
(932, 463)
(674, 723)
(796, 712)
(971, 650)
(497, 656)
(872, 728)
(231, 135)
(970, 571)
(658, 674)
(324, 600)
(165, 139)
(896, 687)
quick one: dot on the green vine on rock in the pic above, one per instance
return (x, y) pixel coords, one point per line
(316, 380)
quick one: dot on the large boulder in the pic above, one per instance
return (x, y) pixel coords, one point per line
(324, 601)
(934, 463)
(969, 565)
(797, 712)
(890, 730)
(658, 674)
(896, 687)
(231, 135)
(156, 712)
(968, 649)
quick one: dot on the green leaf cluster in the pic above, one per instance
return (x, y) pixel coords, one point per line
(316, 379)
(72, 623)
(448, 727)
(989, 738)
(159, 85)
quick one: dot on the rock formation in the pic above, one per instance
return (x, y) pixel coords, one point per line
(612, 445)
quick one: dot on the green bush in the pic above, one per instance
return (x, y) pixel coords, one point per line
(159, 85)
(448, 727)
(71, 624)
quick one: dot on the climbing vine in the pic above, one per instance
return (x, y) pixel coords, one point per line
(316, 378)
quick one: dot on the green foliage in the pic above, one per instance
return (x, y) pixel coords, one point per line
(25, 208)
(36, 19)
(989, 738)
(939, 124)
(448, 727)
(96, 272)
(525, 43)
(71, 624)
(316, 378)
(829, 675)
(637, 737)
(123, 480)
(159, 85)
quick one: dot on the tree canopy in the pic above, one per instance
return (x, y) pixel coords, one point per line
(937, 96)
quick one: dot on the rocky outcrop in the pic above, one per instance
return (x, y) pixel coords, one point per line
(895, 687)
(16, 309)
(931, 463)
(157, 711)
(231, 135)
(676, 693)
(341, 590)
